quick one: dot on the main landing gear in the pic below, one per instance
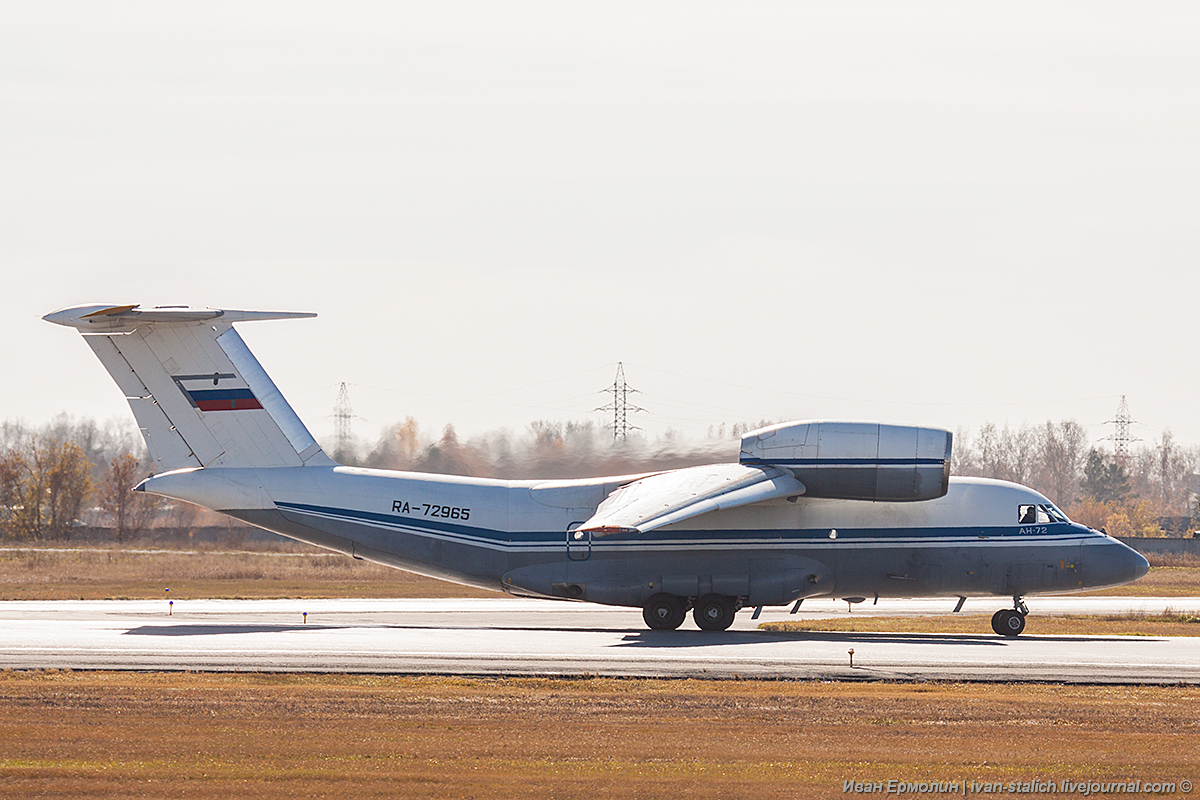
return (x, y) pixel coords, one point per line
(664, 612)
(1010, 622)
(712, 612)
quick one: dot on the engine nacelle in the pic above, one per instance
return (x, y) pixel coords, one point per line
(856, 460)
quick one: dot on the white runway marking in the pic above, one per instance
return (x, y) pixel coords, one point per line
(534, 637)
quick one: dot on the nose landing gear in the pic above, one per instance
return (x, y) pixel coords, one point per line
(1010, 622)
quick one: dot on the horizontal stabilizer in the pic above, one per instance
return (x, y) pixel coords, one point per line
(119, 319)
(668, 497)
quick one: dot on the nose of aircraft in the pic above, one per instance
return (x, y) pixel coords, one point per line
(1141, 566)
(1115, 564)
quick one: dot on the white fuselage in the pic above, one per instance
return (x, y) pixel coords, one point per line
(516, 536)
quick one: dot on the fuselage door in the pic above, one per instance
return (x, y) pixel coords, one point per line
(579, 543)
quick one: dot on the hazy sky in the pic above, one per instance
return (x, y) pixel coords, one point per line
(943, 213)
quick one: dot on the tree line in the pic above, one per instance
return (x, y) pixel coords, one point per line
(1149, 491)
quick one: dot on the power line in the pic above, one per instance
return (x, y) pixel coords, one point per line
(620, 405)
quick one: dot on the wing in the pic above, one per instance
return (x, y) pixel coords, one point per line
(668, 497)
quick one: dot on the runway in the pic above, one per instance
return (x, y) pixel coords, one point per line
(535, 637)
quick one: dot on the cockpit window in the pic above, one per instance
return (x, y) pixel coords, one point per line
(1055, 514)
(1040, 514)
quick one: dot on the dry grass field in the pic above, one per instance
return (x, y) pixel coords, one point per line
(98, 573)
(1159, 582)
(219, 736)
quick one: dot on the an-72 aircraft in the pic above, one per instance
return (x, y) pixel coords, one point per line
(842, 509)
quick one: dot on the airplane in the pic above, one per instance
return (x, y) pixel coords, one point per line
(817, 508)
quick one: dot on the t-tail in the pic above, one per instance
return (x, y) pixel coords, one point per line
(201, 399)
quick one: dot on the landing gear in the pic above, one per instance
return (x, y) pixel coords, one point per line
(664, 612)
(714, 612)
(1010, 621)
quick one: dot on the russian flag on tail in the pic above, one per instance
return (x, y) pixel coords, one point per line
(238, 398)
(222, 399)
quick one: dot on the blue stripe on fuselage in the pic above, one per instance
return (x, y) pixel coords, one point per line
(518, 540)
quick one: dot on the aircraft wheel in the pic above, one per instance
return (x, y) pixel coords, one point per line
(1008, 622)
(664, 612)
(713, 612)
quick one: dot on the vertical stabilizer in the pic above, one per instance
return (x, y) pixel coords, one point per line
(200, 397)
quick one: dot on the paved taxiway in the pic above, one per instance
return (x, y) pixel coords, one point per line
(533, 637)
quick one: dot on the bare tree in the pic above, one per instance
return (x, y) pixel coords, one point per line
(1064, 448)
(68, 482)
(130, 511)
(991, 453)
(1007, 455)
(12, 471)
(964, 460)
(1020, 448)
(1172, 475)
(45, 483)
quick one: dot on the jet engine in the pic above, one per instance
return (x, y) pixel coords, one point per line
(856, 460)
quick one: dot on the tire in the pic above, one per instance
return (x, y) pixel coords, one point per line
(713, 612)
(664, 612)
(1008, 622)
